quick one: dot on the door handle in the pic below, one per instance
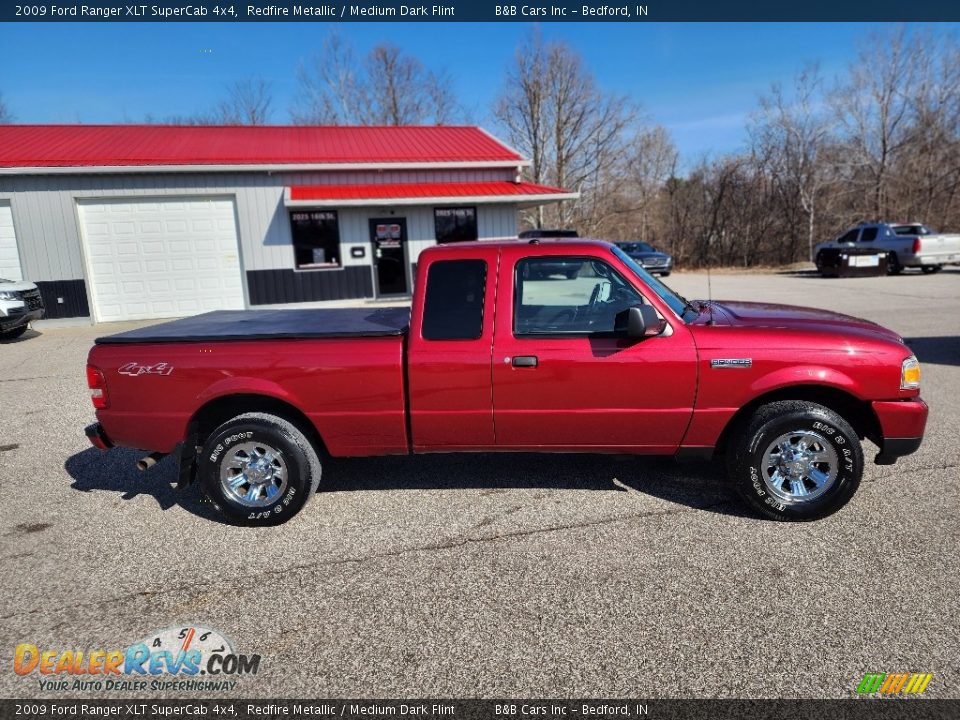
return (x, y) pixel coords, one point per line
(525, 361)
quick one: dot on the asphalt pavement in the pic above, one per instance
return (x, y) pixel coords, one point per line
(496, 576)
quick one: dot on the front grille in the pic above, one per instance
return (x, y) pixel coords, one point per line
(32, 299)
(655, 262)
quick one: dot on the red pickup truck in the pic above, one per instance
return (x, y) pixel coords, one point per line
(545, 346)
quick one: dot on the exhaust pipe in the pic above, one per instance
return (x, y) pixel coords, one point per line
(149, 461)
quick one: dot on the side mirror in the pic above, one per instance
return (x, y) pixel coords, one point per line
(638, 321)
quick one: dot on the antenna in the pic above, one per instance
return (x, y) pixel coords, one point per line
(709, 295)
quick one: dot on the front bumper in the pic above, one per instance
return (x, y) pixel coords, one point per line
(902, 423)
(97, 437)
(664, 268)
(9, 322)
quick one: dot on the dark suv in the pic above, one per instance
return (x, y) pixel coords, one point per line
(653, 261)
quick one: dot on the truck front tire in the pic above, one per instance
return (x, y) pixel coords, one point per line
(258, 469)
(795, 460)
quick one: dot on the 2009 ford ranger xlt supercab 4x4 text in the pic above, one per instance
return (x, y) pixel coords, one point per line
(500, 352)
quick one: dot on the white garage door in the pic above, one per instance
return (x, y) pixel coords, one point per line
(161, 258)
(9, 255)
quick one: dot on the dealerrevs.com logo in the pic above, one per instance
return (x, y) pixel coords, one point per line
(177, 658)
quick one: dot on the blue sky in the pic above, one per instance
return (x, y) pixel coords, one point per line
(700, 80)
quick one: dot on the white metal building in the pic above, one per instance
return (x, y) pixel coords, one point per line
(136, 222)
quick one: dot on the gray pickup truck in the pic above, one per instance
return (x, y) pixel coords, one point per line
(907, 245)
(20, 304)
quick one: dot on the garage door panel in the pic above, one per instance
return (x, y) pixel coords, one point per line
(159, 258)
(9, 252)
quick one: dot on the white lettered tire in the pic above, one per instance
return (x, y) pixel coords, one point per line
(258, 469)
(795, 460)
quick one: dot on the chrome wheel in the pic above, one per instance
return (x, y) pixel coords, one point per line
(799, 466)
(253, 474)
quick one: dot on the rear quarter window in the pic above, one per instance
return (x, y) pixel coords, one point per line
(453, 306)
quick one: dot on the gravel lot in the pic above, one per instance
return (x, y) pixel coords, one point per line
(497, 576)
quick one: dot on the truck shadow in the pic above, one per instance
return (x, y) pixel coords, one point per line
(28, 335)
(944, 350)
(701, 486)
(116, 471)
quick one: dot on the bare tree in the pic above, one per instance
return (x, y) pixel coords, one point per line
(652, 161)
(874, 109)
(929, 169)
(247, 103)
(5, 115)
(573, 132)
(388, 88)
(330, 89)
(791, 135)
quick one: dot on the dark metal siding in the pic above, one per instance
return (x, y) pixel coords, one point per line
(287, 286)
(74, 294)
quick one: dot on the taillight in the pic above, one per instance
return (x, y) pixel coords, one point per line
(98, 387)
(916, 246)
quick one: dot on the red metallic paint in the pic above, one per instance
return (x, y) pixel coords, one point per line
(902, 419)
(352, 390)
(451, 404)
(586, 394)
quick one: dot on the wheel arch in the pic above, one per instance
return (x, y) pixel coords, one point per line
(855, 411)
(218, 410)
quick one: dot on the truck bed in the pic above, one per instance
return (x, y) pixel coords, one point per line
(223, 325)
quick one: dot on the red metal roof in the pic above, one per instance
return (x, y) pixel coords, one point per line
(59, 146)
(394, 191)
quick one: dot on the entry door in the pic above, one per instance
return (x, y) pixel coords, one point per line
(389, 239)
(562, 378)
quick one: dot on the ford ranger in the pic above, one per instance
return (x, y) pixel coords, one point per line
(505, 349)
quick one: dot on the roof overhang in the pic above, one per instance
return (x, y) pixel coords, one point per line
(406, 194)
(247, 168)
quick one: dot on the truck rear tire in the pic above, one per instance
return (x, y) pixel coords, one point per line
(258, 469)
(893, 265)
(795, 460)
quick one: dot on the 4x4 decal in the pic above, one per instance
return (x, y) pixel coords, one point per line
(134, 369)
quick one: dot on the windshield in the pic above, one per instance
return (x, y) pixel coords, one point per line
(684, 310)
(629, 247)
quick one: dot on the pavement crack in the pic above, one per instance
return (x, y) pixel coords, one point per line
(895, 473)
(24, 379)
(451, 543)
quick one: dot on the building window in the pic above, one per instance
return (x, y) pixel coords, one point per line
(316, 239)
(455, 224)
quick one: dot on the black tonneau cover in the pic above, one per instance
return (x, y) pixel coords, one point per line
(271, 324)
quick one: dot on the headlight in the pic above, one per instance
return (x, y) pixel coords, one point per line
(910, 374)
(9, 295)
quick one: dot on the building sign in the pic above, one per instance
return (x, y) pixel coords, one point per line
(388, 235)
